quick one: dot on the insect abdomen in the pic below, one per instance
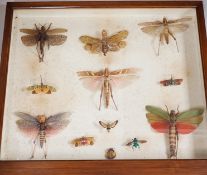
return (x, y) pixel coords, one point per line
(107, 92)
(42, 138)
(173, 140)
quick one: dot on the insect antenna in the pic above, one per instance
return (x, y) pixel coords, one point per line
(167, 109)
(176, 44)
(178, 109)
(158, 51)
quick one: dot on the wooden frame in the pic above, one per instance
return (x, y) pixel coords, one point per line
(100, 167)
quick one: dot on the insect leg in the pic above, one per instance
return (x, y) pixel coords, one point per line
(45, 149)
(112, 97)
(158, 52)
(171, 34)
(167, 109)
(38, 48)
(36, 27)
(35, 143)
(49, 27)
(101, 98)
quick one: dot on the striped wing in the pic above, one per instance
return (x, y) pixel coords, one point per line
(158, 119)
(189, 120)
(38, 89)
(56, 123)
(124, 71)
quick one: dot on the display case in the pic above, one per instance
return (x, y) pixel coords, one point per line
(83, 83)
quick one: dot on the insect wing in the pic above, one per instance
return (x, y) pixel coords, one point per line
(118, 37)
(56, 30)
(158, 112)
(56, 123)
(165, 82)
(90, 73)
(129, 144)
(55, 40)
(89, 40)
(157, 23)
(29, 40)
(189, 120)
(124, 71)
(142, 141)
(27, 124)
(122, 81)
(185, 19)
(29, 31)
(178, 81)
(104, 125)
(152, 30)
(175, 28)
(112, 125)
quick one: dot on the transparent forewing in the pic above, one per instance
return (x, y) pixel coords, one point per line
(56, 31)
(29, 31)
(153, 23)
(185, 19)
(26, 117)
(29, 40)
(55, 40)
(175, 28)
(152, 30)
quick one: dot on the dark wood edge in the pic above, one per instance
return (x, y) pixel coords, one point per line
(105, 4)
(172, 167)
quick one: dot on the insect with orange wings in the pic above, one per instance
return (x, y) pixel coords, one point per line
(108, 125)
(106, 43)
(174, 123)
(41, 88)
(40, 127)
(40, 36)
(107, 80)
(171, 82)
(165, 29)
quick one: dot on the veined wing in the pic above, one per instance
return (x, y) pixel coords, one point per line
(27, 124)
(178, 27)
(56, 123)
(29, 40)
(118, 37)
(122, 81)
(89, 40)
(158, 112)
(152, 30)
(56, 30)
(55, 40)
(112, 125)
(124, 71)
(92, 83)
(29, 31)
(153, 23)
(185, 19)
(104, 125)
(90, 73)
(189, 120)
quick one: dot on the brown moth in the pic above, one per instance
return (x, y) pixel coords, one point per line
(165, 29)
(105, 43)
(106, 80)
(108, 125)
(41, 36)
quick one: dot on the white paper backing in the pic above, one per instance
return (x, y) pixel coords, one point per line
(60, 67)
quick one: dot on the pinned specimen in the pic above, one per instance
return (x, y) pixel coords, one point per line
(135, 143)
(40, 127)
(165, 29)
(171, 82)
(83, 141)
(108, 125)
(41, 36)
(41, 88)
(107, 80)
(110, 153)
(174, 123)
(105, 43)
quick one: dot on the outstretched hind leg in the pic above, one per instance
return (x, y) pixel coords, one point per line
(113, 98)
(171, 34)
(45, 149)
(100, 98)
(35, 143)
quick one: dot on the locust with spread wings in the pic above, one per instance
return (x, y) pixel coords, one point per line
(40, 127)
(106, 80)
(174, 123)
(165, 29)
(105, 43)
(41, 36)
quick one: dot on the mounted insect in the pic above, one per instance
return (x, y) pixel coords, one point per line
(174, 123)
(106, 43)
(171, 82)
(135, 143)
(40, 36)
(108, 126)
(110, 153)
(41, 88)
(165, 29)
(41, 127)
(107, 80)
(83, 141)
